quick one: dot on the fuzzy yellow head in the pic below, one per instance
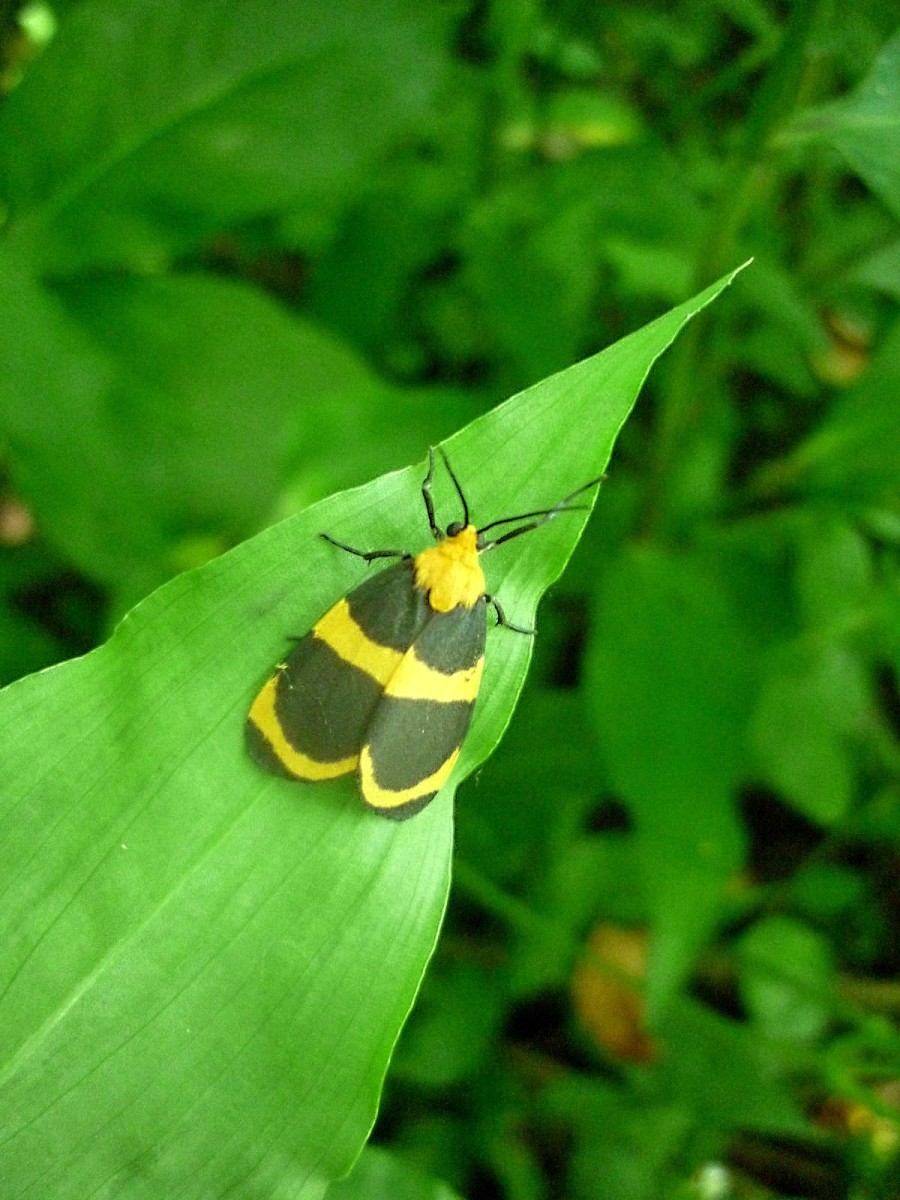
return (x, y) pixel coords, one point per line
(450, 572)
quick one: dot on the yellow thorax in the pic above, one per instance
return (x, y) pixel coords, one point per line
(450, 572)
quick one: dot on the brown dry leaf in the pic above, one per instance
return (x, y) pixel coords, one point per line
(609, 1008)
(847, 354)
(16, 522)
(849, 1116)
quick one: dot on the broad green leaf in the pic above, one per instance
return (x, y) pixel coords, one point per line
(669, 683)
(864, 126)
(834, 577)
(729, 1077)
(524, 247)
(881, 270)
(786, 978)
(57, 416)
(206, 968)
(144, 128)
(808, 699)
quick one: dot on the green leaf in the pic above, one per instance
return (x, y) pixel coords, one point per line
(855, 452)
(864, 126)
(808, 698)
(181, 392)
(669, 681)
(834, 579)
(881, 270)
(786, 978)
(144, 128)
(713, 1078)
(206, 967)
(378, 1175)
(54, 378)
(451, 1033)
(620, 1147)
(729, 1077)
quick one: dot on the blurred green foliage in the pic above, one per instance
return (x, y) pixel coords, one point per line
(256, 253)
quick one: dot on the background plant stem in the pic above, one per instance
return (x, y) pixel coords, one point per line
(690, 377)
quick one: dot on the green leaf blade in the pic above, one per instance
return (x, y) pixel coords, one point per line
(669, 679)
(864, 126)
(210, 967)
(93, 145)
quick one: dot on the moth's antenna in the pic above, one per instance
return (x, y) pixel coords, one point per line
(537, 518)
(456, 484)
(426, 496)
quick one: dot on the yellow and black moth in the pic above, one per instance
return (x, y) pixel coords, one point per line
(385, 683)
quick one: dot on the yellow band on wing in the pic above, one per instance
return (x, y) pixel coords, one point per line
(415, 680)
(265, 717)
(399, 672)
(379, 797)
(338, 630)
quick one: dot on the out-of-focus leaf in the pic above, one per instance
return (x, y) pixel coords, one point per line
(524, 247)
(713, 1075)
(379, 1175)
(786, 978)
(58, 419)
(619, 1148)
(578, 118)
(451, 1032)
(183, 397)
(809, 699)
(142, 129)
(881, 270)
(505, 839)
(834, 577)
(724, 1073)
(865, 126)
(855, 452)
(216, 378)
(787, 331)
(669, 684)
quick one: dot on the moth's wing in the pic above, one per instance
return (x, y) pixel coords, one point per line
(309, 721)
(420, 721)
